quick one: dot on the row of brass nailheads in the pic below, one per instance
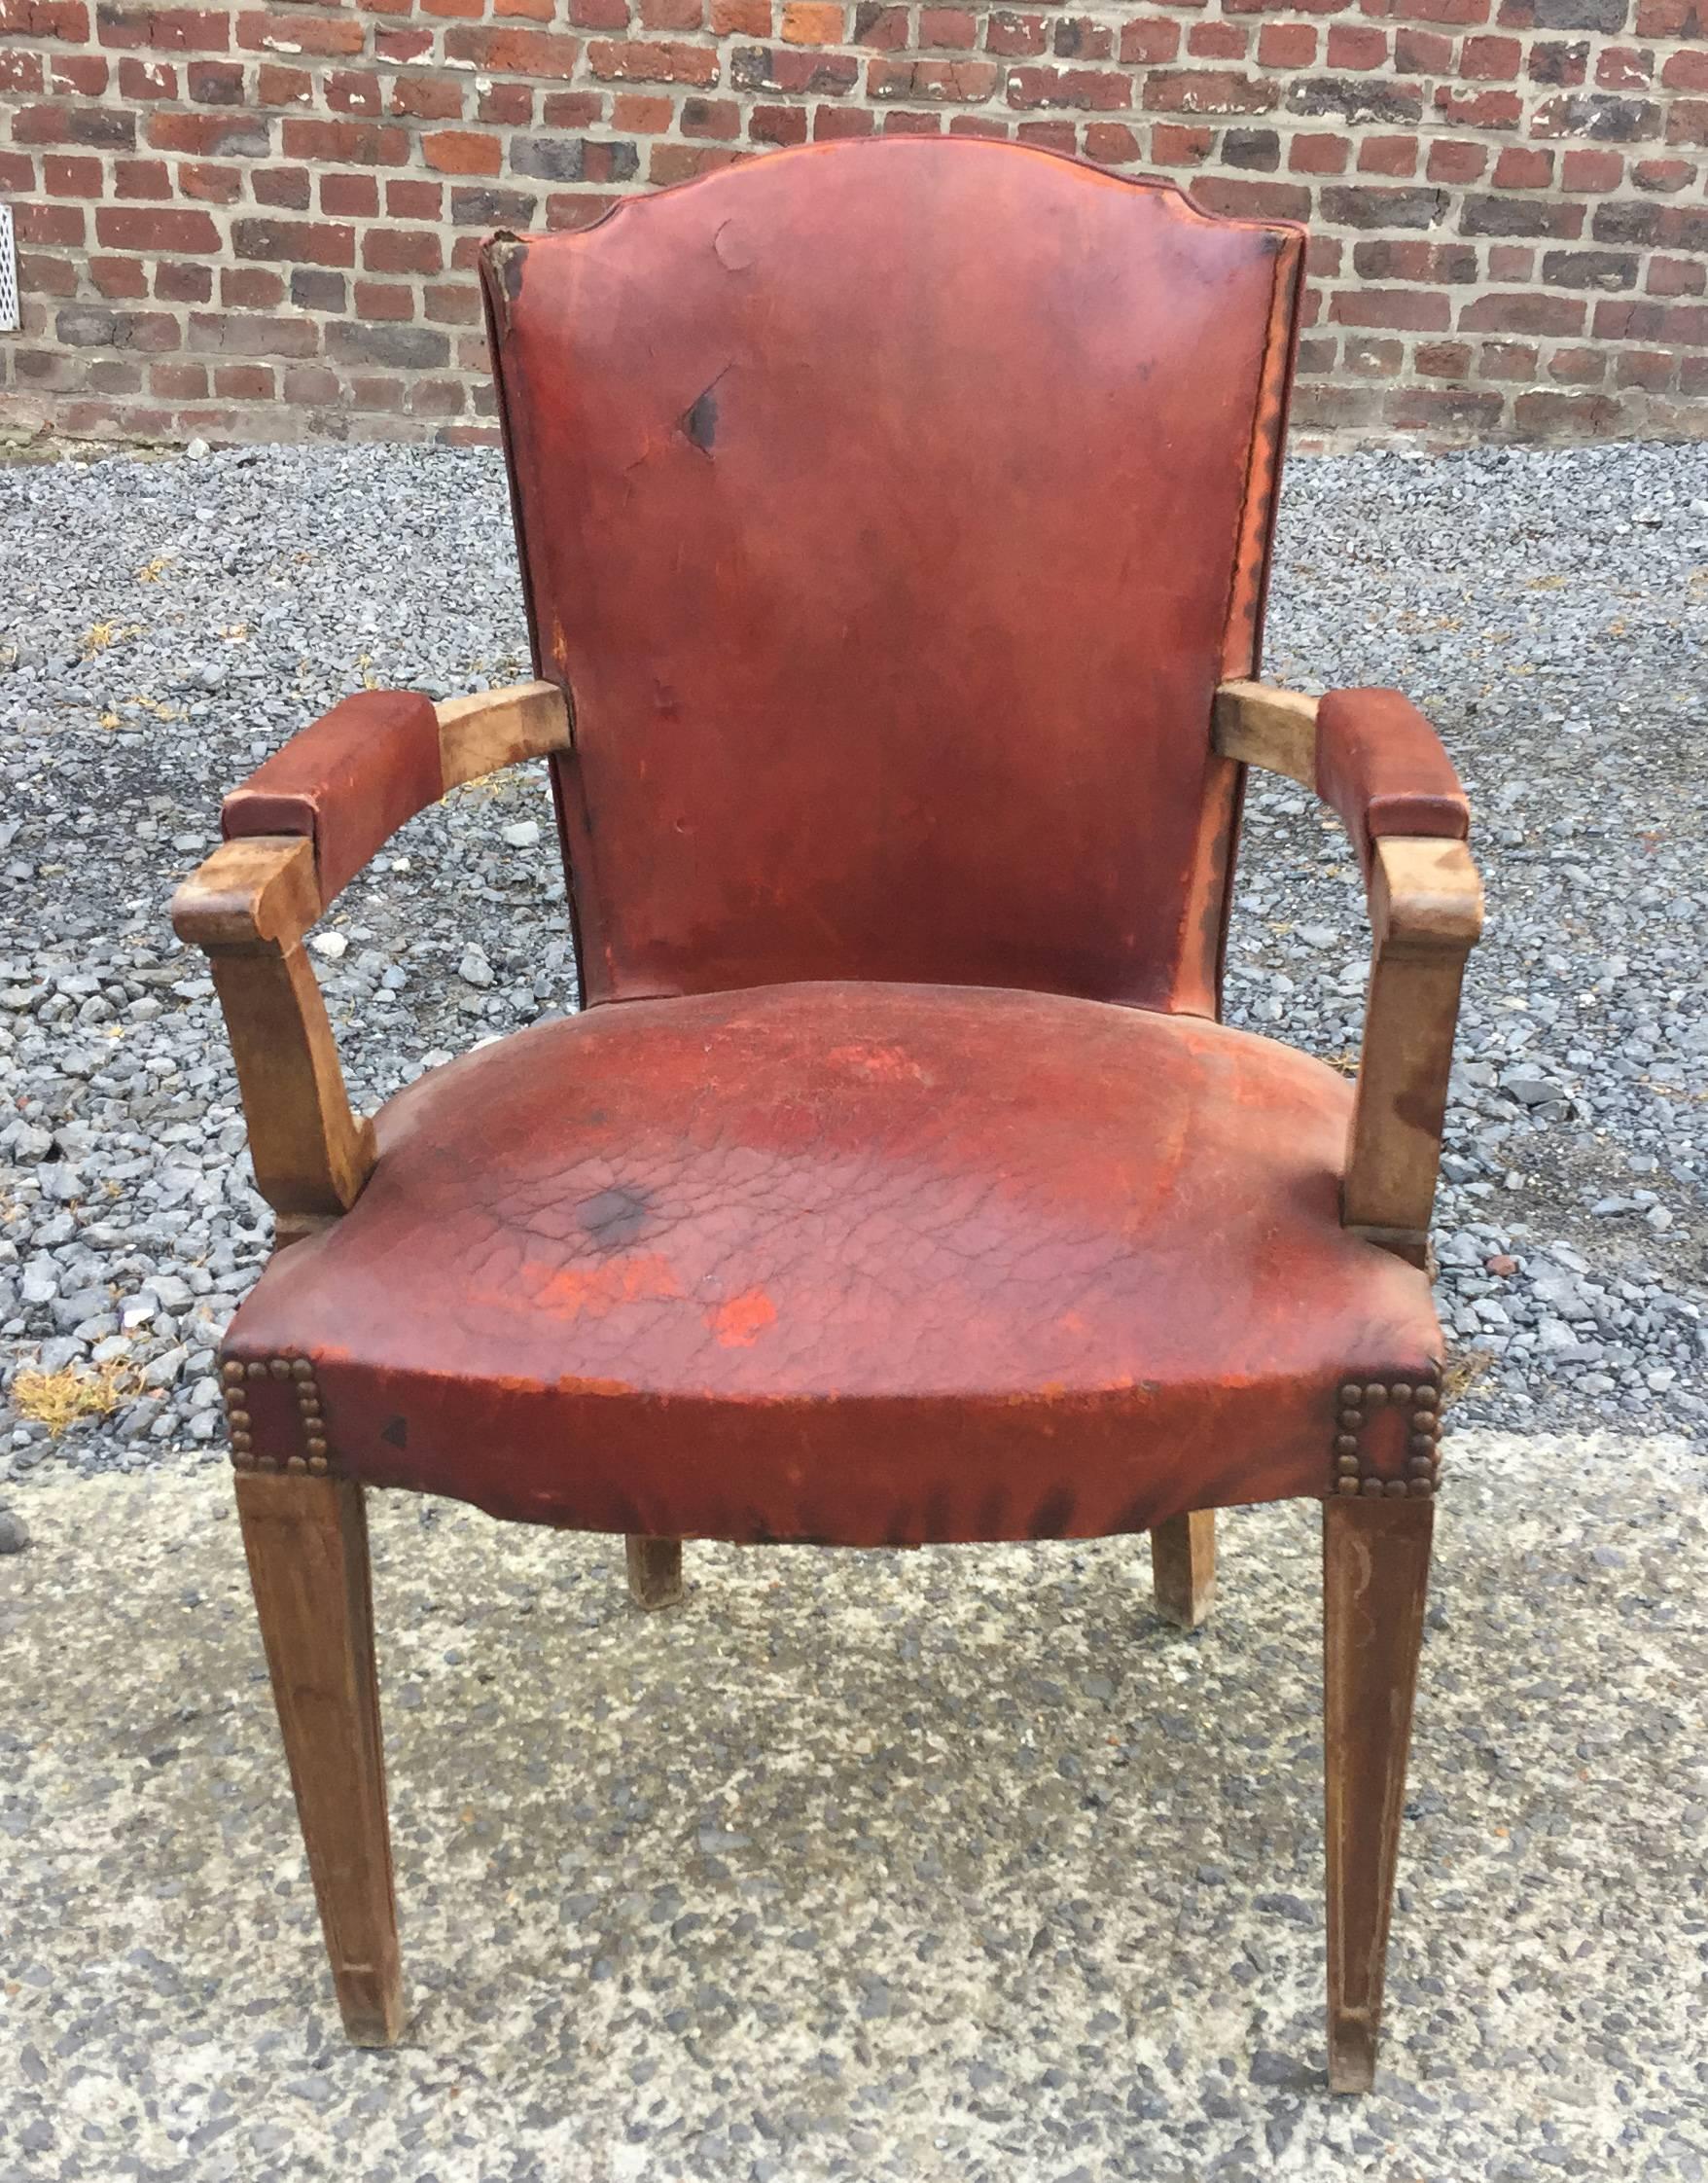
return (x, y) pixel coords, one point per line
(301, 1373)
(1423, 1454)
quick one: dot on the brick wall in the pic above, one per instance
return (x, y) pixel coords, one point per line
(255, 222)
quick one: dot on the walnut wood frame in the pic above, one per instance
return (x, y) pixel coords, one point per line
(249, 907)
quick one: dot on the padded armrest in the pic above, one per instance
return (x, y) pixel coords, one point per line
(1380, 765)
(346, 782)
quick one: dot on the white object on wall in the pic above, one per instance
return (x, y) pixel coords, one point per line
(7, 274)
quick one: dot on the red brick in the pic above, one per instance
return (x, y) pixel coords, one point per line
(1590, 170)
(1455, 163)
(461, 151)
(582, 109)
(1237, 199)
(22, 71)
(212, 185)
(681, 163)
(1494, 60)
(743, 18)
(1422, 53)
(1555, 315)
(1676, 276)
(66, 20)
(956, 28)
(640, 114)
(599, 14)
(1441, 360)
(48, 223)
(506, 103)
(147, 79)
(350, 143)
(1357, 46)
(212, 83)
(289, 187)
(178, 381)
(777, 124)
(72, 176)
(1519, 167)
(251, 288)
(426, 98)
(409, 199)
(174, 30)
(1686, 71)
(1208, 92)
(290, 31)
(1111, 143)
(960, 80)
(402, 47)
(142, 178)
(1418, 310)
(384, 299)
(830, 123)
(243, 383)
(83, 75)
(1650, 369)
(42, 275)
(1620, 68)
(1220, 40)
(179, 282)
(71, 124)
(1541, 415)
(1489, 109)
(402, 250)
(1316, 153)
(209, 135)
(1022, 37)
(1048, 136)
(531, 53)
(1457, 408)
(818, 23)
(352, 90)
(1280, 45)
(719, 118)
(349, 197)
(1172, 145)
(118, 277)
(1577, 365)
(303, 242)
(1388, 154)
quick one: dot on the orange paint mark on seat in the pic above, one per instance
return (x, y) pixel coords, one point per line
(739, 1323)
(597, 1291)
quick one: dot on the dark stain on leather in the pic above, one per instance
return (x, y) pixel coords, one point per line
(612, 1218)
(699, 420)
(396, 1433)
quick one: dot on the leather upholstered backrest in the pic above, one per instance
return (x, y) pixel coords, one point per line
(890, 512)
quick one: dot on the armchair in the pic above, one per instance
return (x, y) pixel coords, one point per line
(898, 1182)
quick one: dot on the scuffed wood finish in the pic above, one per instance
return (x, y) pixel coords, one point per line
(248, 906)
(307, 1540)
(499, 728)
(1375, 1574)
(1182, 1567)
(1273, 728)
(655, 1571)
(1426, 912)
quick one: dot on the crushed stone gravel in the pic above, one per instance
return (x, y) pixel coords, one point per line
(169, 623)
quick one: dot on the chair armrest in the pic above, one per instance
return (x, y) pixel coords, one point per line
(1374, 757)
(351, 778)
(1426, 913)
(1370, 753)
(298, 829)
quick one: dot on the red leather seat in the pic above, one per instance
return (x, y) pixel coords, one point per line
(848, 1261)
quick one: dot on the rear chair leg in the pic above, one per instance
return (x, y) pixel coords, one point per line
(655, 1571)
(306, 1539)
(1182, 1567)
(1375, 1574)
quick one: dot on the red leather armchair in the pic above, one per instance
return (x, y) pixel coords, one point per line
(894, 522)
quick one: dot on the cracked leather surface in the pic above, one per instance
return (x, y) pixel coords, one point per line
(883, 511)
(849, 1262)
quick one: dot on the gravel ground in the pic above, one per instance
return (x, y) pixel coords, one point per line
(951, 1867)
(169, 621)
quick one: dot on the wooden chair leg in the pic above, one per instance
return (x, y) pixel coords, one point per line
(1375, 1574)
(306, 1539)
(655, 1571)
(1182, 1567)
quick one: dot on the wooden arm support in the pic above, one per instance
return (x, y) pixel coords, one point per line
(248, 906)
(1426, 913)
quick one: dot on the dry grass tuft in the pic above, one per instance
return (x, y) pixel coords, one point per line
(57, 1399)
(1462, 1373)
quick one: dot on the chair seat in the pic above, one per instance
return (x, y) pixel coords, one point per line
(857, 1263)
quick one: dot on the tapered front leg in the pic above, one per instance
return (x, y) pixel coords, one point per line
(1182, 1567)
(655, 1571)
(306, 1539)
(1375, 1574)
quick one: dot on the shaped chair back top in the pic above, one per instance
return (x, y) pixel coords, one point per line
(890, 512)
